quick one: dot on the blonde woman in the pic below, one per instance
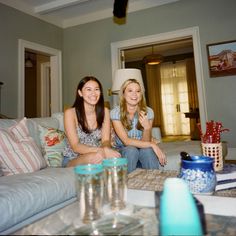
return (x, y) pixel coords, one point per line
(132, 121)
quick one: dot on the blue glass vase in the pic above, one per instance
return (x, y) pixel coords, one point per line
(198, 172)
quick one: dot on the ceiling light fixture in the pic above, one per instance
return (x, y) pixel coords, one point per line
(153, 59)
(28, 63)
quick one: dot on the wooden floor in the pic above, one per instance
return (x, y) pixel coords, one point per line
(174, 138)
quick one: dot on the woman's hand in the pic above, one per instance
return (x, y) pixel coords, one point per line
(161, 155)
(91, 158)
(143, 120)
(110, 153)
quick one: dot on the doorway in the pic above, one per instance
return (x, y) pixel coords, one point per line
(193, 33)
(169, 89)
(55, 77)
(37, 85)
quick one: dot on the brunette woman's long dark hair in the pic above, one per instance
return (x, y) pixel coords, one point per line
(79, 105)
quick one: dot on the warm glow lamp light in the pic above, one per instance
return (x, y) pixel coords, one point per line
(121, 75)
(153, 59)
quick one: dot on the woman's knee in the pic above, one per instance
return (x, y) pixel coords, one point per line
(147, 152)
(132, 155)
(148, 159)
(130, 152)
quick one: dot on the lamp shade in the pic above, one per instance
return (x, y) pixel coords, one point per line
(121, 75)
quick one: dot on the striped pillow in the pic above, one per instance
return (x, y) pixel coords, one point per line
(18, 151)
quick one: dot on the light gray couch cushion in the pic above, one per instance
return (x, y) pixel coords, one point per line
(32, 124)
(23, 196)
(60, 117)
(173, 149)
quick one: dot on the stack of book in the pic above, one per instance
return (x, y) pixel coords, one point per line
(226, 179)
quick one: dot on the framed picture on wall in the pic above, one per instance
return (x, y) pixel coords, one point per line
(222, 58)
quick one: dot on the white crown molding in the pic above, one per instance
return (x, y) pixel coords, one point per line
(55, 5)
(99, 15)
(51, 7)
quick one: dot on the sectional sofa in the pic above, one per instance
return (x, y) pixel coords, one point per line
(27, 195)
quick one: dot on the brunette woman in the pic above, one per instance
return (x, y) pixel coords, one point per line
(87, 126)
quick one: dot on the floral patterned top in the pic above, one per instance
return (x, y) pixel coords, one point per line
(93, 139)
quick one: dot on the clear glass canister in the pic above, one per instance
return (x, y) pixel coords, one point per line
(115, 170)
(90, 189)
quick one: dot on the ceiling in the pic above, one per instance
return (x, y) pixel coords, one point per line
(67, 13)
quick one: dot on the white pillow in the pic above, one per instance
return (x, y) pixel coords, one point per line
(18, 151)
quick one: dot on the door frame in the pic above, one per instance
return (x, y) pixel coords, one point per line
(56, 75)
(45, 106)
(193, 32)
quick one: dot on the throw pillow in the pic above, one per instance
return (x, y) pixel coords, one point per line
(53, 144)
(18, 151)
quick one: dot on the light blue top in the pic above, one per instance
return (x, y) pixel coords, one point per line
(133, 132)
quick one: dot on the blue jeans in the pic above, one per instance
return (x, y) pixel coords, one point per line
(145, 156)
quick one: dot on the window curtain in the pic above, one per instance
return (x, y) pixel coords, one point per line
(153, 83)
(174, 93)
(192, 84)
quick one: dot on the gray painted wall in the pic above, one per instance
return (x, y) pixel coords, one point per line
(16, 25)
(86, 48)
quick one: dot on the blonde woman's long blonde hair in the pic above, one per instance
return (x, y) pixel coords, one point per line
(123, 108)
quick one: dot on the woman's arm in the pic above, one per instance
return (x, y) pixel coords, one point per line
(106, 129)
(70, 124)
(122, 134)
(106, 136)
(120, 131)
(147, 126)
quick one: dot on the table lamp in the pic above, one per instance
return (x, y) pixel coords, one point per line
(121, 75)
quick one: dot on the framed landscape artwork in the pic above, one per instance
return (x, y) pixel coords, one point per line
(222, 58)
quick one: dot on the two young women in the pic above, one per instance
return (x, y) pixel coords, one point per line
(87, 126)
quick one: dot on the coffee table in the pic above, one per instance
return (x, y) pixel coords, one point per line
(58, 223)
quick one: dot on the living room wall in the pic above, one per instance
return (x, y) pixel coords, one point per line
(87, 49)
(16, 25)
